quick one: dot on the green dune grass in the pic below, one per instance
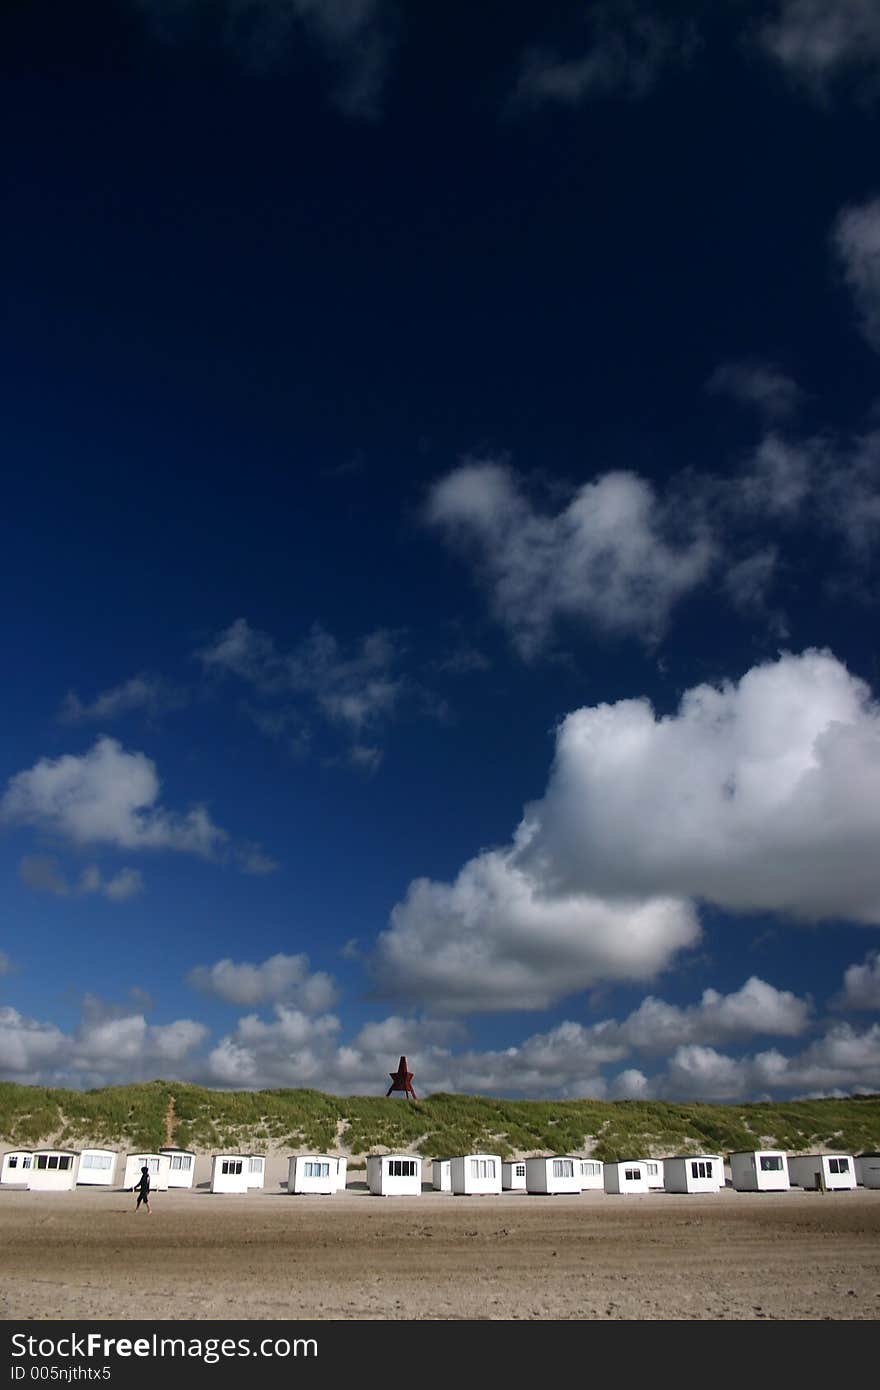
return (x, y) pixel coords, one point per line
(207, 1120)
(202, 1119)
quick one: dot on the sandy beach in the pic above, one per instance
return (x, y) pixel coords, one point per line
(88, 1254)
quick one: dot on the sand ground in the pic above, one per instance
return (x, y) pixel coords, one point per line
(88, 1254)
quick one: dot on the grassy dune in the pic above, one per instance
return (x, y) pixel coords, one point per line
(207, 1120)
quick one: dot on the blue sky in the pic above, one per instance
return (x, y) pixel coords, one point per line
(441, 506)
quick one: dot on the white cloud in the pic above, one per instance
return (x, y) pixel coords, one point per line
(106, 796)
(861, 984)
(494, 940)
(292, 1050)
(614, 556)
(761, 795)
(842, 1062)
(42, 873)
(756, 1008)
(280, 977)
(820, 40)
(631, 1084)
(27, 1046)
(761, 384)
(108, 1045)
(150, 694)
(629, 48)
(856, 242)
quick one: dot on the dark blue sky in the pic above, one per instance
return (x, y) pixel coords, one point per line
(442, 488)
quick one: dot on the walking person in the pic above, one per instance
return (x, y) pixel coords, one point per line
(142, 1188)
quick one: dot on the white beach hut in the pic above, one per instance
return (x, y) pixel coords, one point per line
(53, 1170)
(394, 1175)
(317, 1173)
(513, 1175)
(441, 1174)
(625, 1177)
(552, 1173)
(591, 1174)
(759, 1170)
(229, 1173)
(157, 1165)
(96, 1168)
(16, 1166)
(181, 1167)
(835, 1172)
(693, 1173)
(654, 1171)
(255, 1170)
(867, 1168)
(476, 1175)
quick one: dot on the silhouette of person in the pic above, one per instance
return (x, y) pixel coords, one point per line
(142, 1188)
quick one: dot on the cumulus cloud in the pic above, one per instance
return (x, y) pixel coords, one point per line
(756, 1008)
(280, 977)
(106, 796)
(353, 37)
(818, 41)
(150, 695)
(291, 1050)
(493, 939)
(294, 1049)
(760, 384)
(42, 874)
(844, 1061)
(757, 795)
(614, 556)
(856, 243)
(109, 1044)
(861, 984)
(628, 50)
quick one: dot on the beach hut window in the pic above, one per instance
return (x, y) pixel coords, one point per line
(402, 1168)
(631, 1174)
(482, 1167)
(231, 1165)
(771, 1163)
(589, 1169)
(26, 1161)
(64, 1161)
(838, 1165)
(520, 1170)
(563, 1167)
(181, 1161)
(317, 1170)
(95, 1161)
(701, 1169)
(255, 1165)
(652, 1169)
(13, 1162)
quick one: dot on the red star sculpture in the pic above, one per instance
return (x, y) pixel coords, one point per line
(401, 1080)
